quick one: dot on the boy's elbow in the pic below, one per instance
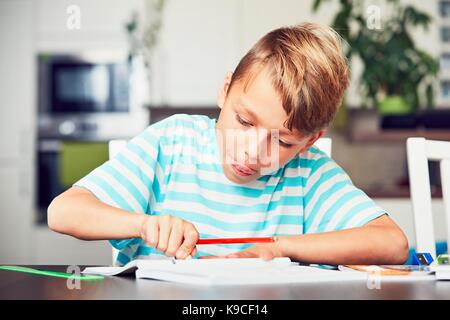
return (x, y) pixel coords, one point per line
(400, 247)
(55, 215)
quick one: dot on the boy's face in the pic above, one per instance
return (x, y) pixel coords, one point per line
(251, 134)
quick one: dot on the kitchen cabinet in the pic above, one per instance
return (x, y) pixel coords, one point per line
(17, 117)
(17, 123)
(15, 216)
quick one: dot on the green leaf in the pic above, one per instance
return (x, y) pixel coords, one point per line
(415, 17)
(317, 4)
(391, 61)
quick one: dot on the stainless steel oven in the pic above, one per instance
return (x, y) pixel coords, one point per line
(90, 94)
(84, 100)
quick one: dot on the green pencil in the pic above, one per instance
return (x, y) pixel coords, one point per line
(50, 273)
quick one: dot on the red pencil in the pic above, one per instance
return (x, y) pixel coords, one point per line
(236, 240)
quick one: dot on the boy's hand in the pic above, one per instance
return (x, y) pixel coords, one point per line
(265, 251)
(173, 236)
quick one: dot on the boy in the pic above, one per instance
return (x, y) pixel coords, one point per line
(190, 177)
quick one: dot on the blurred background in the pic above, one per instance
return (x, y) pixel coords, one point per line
(76, 74)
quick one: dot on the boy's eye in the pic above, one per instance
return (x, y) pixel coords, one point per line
(247, 124)
(242, 121)
(284, 144)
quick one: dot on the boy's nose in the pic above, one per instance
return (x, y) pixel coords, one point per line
(256, 145)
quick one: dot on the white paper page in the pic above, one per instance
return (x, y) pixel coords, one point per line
(130, 267)
(442, 272)
(440, 267)
(239, 263)
(202, 271)
(240, 272)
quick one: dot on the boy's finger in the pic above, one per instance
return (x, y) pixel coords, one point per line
(175, 240)
(188, 245)
(164, 233)
(152, 231)
(194, 252)
(212, 257)
(242, 254)
(266, 255)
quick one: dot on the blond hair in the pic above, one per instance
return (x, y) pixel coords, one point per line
(309, 71)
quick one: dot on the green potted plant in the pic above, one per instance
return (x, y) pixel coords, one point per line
(397, 77)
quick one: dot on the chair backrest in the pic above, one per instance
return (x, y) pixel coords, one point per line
(324, 144)
(115, 146)
(419, 152)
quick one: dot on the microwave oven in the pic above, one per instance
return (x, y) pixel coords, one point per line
(90, 95)
(80, 84)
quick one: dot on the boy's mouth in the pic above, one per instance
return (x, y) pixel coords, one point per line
(242, 170)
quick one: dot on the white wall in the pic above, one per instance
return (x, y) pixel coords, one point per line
(16, 130)
(203, 39)
(400, 210)
(102, 24)
(192, 71)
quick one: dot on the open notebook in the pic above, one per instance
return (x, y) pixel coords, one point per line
(442, 270)
(227, 271)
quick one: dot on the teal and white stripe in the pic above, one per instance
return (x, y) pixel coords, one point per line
(173, 167)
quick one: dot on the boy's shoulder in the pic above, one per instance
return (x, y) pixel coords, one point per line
(312, 156)
(183, 129)
(319, 167)
(313, 160)
(182, 120)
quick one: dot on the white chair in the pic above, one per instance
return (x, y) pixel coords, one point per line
(115, 146)
(419, 151)
(324, 144)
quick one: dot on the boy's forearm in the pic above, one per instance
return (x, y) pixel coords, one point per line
(83, 216)
(365, 245)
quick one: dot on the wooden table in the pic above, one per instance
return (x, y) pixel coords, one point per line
(16, 285)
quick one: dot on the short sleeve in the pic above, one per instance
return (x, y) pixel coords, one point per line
(332, 202)
(131, 180)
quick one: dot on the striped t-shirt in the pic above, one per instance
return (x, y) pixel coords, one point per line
(173, 167)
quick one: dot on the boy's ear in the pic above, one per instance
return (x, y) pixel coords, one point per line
(313, 139)
(223, 91)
